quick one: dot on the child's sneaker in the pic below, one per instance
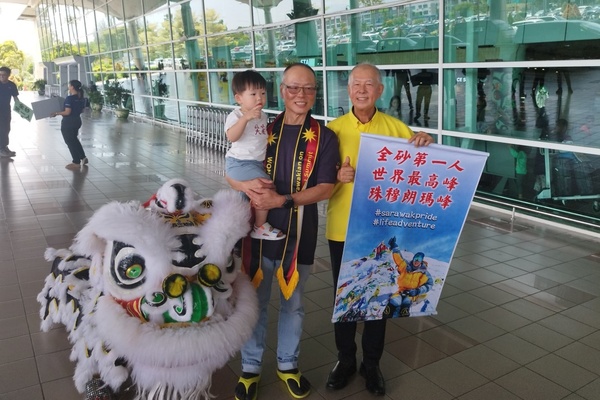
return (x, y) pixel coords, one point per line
(266, 232)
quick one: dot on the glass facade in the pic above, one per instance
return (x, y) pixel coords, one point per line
(514, 78)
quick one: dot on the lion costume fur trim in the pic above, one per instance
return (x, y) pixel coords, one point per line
(164, 362)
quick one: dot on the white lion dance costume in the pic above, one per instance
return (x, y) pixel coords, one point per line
(153, 294)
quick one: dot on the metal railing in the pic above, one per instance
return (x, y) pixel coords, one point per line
(52, 91)
(206, 127)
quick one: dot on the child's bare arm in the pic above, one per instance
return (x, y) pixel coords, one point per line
(237, 130)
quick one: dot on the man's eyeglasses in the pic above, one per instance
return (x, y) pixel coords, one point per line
(296, 89)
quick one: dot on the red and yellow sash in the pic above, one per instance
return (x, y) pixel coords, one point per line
(305, 154)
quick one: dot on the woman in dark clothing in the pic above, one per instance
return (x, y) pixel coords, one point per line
(71, 122)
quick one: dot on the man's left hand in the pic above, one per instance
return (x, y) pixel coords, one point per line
(421, 139)
(265, 199)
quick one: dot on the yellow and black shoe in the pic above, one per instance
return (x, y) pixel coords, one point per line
(298, 385)
(247, 387)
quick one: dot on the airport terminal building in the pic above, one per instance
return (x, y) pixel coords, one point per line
(519, 314)
(516, 79)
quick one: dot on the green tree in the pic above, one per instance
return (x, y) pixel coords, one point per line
(153, 38)
(471, 8)
(214, 22)
(11, 56)
(63, 49)
(462, 10)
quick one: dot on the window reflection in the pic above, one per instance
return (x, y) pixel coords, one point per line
(187, 26)
(287, 45)
(522, 102)
(197, 45)
(226, 15)
(118, 40)
(546, 104)
(522, 31)
(158, 27)
(133, 8)
(398, 35)
(101, 18)
(220, 88)
(192, 86)
(219, 52)
(104, 40)
(409, 95)
(269, 11)
(278, 47)
(136, 34)
(161, 57)
(335, 6)
(555, 178)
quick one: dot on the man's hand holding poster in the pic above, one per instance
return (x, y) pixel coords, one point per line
(408, 209)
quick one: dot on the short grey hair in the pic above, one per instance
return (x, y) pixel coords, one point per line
(367, 65)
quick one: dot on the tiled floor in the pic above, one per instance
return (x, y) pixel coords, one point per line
(519, 316)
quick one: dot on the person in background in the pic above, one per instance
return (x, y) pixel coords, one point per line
(394, 108)
(424, 80)
(246, 129)
(520, 167)
(364, 88)
(403, 81)
(8, 91)
(70, 124)
(304, 161)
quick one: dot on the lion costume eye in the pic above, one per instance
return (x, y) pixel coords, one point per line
(127, 267)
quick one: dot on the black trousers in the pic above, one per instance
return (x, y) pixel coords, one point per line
(4, 128)
(373, 337)
(69, 132)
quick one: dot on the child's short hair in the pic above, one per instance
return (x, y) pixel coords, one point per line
(247, 79)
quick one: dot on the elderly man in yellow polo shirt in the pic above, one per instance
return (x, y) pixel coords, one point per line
(364, 88)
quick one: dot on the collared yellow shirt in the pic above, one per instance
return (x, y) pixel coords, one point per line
(348, 129)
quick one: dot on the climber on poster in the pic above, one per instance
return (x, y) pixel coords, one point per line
(414, 281)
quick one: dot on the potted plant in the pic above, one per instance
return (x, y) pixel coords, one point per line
(95, 97)
(160, 89)
(40, 86)
(118, 98)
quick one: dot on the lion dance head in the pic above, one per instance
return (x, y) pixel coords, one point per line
(152, 293)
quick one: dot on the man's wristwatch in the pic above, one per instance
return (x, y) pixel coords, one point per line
(289, 201)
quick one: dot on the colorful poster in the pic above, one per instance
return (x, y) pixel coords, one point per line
(408, 209)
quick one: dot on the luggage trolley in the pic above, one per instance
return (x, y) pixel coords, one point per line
(568, 178)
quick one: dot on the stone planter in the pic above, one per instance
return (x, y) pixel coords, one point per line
(122, 113)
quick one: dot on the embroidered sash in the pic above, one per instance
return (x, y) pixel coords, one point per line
(305, 154)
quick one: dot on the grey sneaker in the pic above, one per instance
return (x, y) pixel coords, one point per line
(6, 153)
(83, 161)
(12, 153)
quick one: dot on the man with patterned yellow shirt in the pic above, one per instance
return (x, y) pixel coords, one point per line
(364, 88)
